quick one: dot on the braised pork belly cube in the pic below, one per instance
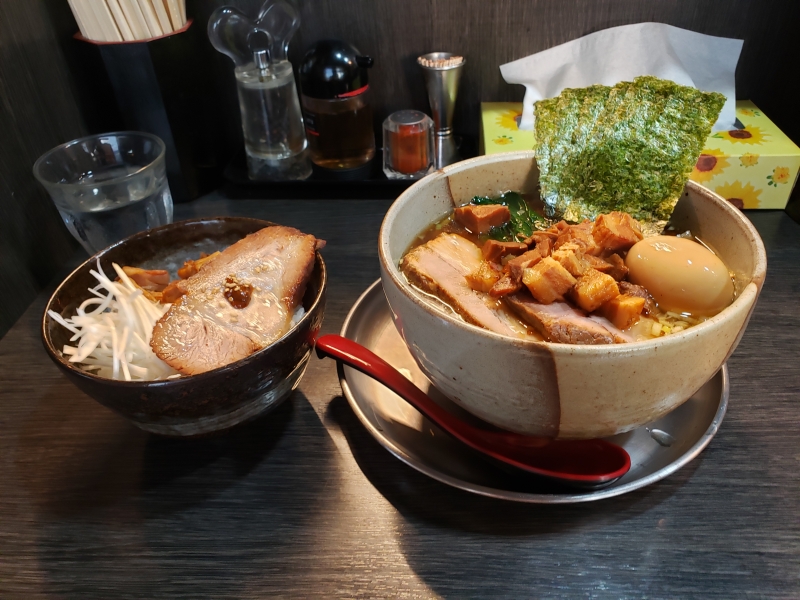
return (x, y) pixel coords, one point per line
(560, 227)
(573, 246)
(537, 236)
(543, 241)
(594, 289)
(545, 247)
(494, 250)
(631, 289)
(595, 262)
(616, 231)
(580, 231)
(613, 265)
(548, 281)
(618, 269)
(580, 234)
(570, 256)
(484, 277)
(623, 310)
(517, 265)
(480, 219)
(506, 285)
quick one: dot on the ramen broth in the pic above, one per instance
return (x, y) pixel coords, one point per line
(656, 320)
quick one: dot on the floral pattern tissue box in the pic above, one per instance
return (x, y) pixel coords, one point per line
(753, 167)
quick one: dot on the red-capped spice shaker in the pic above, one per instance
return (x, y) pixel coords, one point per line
(407, 145)
(336, 111)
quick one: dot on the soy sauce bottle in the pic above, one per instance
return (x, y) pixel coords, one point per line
(336, 110)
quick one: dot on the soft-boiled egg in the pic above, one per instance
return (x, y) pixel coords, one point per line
(682, 275)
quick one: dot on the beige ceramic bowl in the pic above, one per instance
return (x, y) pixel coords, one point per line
(562, 390)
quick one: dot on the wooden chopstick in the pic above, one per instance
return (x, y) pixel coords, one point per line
(163, 17)
(122, 22)
(79, 20)
(174, 14)
(135, 19)
(150, 18)
(106, 21)
(90, 21)
(127, 20)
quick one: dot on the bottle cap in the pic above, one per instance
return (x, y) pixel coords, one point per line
(333, 69)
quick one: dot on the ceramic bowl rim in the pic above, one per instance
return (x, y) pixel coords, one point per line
(58, 357)
(746, 297)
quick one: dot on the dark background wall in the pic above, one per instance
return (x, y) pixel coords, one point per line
(38, 109)
(492, 32)
(53, 88)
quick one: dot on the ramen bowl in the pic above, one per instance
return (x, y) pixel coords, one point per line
(562, 390)
(208, 402)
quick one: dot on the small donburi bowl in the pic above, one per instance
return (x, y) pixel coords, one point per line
(198, 404)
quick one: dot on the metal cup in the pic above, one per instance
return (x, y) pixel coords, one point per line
(442, 84)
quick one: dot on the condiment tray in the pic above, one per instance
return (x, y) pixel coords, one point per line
(656, 451)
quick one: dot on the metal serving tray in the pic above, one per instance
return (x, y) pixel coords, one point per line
(656, 451)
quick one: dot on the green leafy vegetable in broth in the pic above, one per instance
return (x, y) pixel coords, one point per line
(523, 218)
(630, 147)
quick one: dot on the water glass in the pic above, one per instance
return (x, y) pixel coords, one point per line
(108, 186)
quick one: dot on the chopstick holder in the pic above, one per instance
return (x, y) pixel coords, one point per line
(128, 20)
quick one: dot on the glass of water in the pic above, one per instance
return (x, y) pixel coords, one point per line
(108, 186)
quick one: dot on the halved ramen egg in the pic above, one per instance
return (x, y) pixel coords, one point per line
(682, 275)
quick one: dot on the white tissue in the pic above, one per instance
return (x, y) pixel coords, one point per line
(607, 57)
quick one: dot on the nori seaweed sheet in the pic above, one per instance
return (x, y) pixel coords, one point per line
(630, 147)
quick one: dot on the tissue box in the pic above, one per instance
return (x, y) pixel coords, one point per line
(500, 128)
(753, 167)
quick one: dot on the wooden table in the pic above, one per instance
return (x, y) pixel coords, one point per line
(304, 503)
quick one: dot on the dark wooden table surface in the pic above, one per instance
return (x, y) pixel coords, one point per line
(304, 503)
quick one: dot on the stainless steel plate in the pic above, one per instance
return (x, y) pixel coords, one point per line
(656, 451)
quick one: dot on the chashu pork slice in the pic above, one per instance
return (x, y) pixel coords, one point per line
(205, 330)
(440, 267)
(562, 323)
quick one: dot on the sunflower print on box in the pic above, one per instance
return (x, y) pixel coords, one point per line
(710, 164)
(750, 135)
(753, 167)
(779, 176)
(500, 130)
(748, 159)
(740, 195)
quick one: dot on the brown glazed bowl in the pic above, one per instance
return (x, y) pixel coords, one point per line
(207, 402)
(562, 390)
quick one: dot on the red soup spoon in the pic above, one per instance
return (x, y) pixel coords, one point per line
(584, 463)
